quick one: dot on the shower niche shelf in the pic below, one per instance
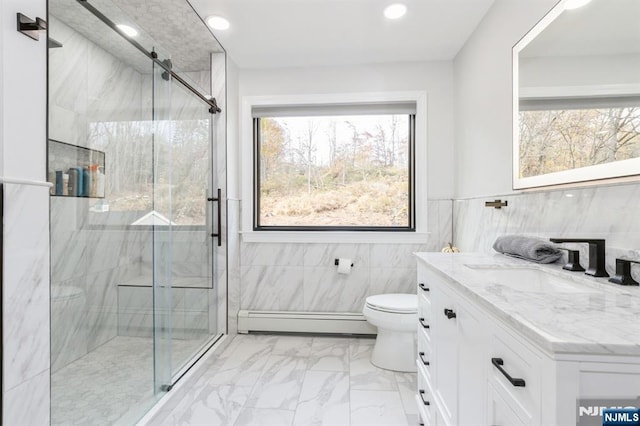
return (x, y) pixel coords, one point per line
(75, 171)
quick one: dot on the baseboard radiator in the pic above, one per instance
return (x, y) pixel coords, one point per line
(303, 322)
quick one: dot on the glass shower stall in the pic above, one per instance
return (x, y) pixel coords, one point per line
(138, 258)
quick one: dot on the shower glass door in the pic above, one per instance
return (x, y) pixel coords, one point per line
(186, 206)
(133, 297)
(193, 207)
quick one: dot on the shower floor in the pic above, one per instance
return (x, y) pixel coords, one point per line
(104, 385)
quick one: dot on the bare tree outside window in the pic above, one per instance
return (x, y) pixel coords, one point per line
(131, 185)
(558, 140)
(334, 171)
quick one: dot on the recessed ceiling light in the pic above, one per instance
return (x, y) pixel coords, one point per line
(129, 31)
(218, 23)
(395, 11)
(574, 4)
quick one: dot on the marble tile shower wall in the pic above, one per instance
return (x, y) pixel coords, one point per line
(90, 86)
(303, 277)
(90, 251)
(609, 212)
(87, 264)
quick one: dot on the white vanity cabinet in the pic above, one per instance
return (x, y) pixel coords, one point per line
(476, 368)
(455, 376)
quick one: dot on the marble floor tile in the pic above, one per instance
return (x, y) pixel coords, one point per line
(414, 419)
(377, 408)
(364, 375)
(244, 364)
(329, 354)
(407, 392)
(293, 346)
(324, 399)
(407, 385)
(295, 380)
(213, 405)
(280, 384)
(264, 417)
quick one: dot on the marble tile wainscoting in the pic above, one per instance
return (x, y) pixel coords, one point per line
(609, 212)
(303, 277)
(25, 344)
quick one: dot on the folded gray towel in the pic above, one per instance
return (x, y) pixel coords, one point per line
(527, 248)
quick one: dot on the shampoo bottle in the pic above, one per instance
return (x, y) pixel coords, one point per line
(80, 186)
(73, 182)
(59, 182)
(86, 182)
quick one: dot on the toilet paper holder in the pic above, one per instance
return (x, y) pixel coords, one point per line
(337, 262)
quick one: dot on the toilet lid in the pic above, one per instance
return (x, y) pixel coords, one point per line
(406, 303)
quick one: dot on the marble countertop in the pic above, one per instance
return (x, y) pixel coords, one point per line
(604, 319)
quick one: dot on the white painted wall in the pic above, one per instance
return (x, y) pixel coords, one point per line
(435, 78)
(483, 91)
(23, 93)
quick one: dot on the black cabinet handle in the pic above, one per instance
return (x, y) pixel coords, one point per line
(421, 355)
(423, 287)
(421, 321)
(449, 313)
(425, 402)
(498, 363)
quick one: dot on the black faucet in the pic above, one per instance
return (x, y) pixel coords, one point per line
(623, 272)
(596, 254)
(573, 263)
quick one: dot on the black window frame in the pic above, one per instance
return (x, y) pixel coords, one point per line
(411, 227)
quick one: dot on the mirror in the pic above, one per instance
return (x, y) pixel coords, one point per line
(577, 95)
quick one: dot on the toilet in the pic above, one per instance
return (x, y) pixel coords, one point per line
(395, 316)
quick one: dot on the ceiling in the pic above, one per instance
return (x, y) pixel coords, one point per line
(299, 33)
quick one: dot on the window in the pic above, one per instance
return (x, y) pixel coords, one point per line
(334, 167)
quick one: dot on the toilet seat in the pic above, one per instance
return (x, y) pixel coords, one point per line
(393, 303)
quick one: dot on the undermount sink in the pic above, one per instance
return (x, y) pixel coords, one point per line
(529, 279)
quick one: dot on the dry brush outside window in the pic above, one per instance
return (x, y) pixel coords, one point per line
(564, 134)
(335, 168)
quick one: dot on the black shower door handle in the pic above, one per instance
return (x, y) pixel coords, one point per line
(218, 200)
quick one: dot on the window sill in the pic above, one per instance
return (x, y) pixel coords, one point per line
(334, 237)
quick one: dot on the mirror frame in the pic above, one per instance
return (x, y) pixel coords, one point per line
(598, 174)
